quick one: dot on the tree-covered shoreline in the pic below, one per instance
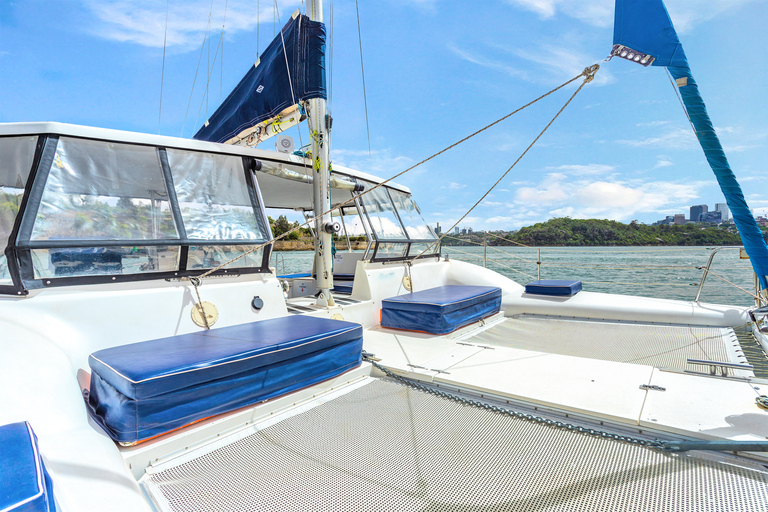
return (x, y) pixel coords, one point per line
(568, 232)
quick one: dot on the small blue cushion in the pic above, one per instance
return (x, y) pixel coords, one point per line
(440, 310)
(553, 287)
(24, 482)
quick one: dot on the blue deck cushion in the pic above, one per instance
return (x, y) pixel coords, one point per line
(24, 482)
(553, 287)
(145, 389)
(440, 310)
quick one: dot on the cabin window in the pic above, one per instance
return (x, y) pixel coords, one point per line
(15, 165)
(399, 230)
(100, 190)
(382, 216)
(209, 256)
(411, 217)
(88, 261)
(354, 223)
(214, 197)
(101, 209)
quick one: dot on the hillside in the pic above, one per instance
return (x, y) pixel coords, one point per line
(586, 232)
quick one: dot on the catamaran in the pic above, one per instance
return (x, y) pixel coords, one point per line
(153, 360)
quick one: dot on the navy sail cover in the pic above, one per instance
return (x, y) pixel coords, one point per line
(645, 26)
(284, 76)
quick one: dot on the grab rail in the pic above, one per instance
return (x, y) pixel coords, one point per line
(706, 268)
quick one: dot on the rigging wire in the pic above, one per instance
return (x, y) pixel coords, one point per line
(680, 99)
(330, 65)
(194, 81)
(588, 73)
(210, 15)
(207, 86)
(221, 38)
(362, 71)
(258, 26)
(162, 73)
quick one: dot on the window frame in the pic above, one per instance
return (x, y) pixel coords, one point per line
(19, 249)
(377, 243)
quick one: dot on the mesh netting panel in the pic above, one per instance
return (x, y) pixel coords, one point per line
(387, 447)
(654, 345)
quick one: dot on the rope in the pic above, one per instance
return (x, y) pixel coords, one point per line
(589, 75)
(196, 283)
(493, 261)
(492, 247)
(353, 198)
(162, 73)
(710, 273)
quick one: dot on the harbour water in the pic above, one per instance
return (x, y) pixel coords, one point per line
(665, 272)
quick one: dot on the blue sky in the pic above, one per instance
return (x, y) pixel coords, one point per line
(436, 70)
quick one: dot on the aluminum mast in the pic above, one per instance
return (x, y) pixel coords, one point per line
(324, 226)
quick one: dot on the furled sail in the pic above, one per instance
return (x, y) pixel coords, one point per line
(643, 33)
(291, 70)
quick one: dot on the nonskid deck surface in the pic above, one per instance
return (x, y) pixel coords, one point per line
(304, 305)
(385, 446)
(663, 346)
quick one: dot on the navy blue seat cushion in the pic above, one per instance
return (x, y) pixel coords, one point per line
(144, 389)
(553, 287)
(24, 481)
(440, 310)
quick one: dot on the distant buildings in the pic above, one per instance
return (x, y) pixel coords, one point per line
(697, 211)
(700, 213)
(725, 213)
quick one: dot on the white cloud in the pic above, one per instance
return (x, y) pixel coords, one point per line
(549, 191)
(487, 62)
(586, 170)
(455, 186)
(565, 195)
(557, 60)
(594, 12)
(663, 162)
(143, 21)
(685, 15)
(381, 162)
(680, 138)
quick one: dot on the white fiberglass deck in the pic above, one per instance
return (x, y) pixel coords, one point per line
(384, 446)
(692, 404)
(664, 346)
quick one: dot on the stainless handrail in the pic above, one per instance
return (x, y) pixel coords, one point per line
(724, 366)
(706, 268)
(282, 259)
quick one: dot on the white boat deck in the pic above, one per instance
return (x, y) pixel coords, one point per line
(691, 403)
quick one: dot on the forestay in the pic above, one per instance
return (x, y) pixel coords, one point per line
(644, 26)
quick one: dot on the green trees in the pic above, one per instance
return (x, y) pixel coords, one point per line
(586, 232)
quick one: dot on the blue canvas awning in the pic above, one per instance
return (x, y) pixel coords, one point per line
(645, 26)
(283, 76)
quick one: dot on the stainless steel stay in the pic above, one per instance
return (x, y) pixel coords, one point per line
(706, 268)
